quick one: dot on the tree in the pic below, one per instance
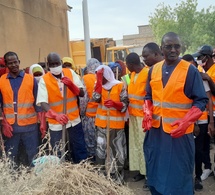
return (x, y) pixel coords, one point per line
(195, 28)
(204, 28)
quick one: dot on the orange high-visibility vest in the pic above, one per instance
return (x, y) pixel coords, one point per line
(200, 68)
(26, 114)
(169, 102)
(89, 81)
(211, 73)
(116, 117)
(136, 92)
(55, 98)
(204, 117)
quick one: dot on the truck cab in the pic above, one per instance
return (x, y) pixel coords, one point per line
(120, 52)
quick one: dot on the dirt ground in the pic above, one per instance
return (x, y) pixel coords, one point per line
(208, 184)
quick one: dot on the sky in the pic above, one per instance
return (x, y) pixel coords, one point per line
(115, 18)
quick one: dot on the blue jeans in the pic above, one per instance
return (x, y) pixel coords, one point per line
(77, 144)
(30, 142)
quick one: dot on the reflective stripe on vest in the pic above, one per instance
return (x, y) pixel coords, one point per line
(55, 98)
(170, 103)
(136, 92)
(89, 81)
(204, 118)
(26, 114)
(90, 111)
(116, 117)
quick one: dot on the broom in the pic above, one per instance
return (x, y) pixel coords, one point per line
(64, 126)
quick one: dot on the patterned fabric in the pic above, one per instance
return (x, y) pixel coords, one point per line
(92, 64)
(117, 148)
(136, 138)
(88, 124)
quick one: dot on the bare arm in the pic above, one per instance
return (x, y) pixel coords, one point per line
(211, 130)
(206, 77)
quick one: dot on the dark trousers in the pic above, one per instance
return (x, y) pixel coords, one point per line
(202, 150)
(30, 144)
(76, 140)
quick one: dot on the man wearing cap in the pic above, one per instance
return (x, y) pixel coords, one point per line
(213, 56)
(204, 59)
(203, 129)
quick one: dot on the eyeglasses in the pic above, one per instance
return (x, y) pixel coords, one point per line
(170, 47)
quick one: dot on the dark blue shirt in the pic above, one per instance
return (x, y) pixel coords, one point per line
(193, 87)
(15, 85)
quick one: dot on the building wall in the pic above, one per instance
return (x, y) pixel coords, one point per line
(145, 36)
(34, 28)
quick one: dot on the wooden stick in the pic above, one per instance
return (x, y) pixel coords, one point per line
(117, 73)
(1, 139)
(108, 141)
(64, 126)
(46, 66)
(39, 56)
(2, 146)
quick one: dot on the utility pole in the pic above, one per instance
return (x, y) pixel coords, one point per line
(86, 30)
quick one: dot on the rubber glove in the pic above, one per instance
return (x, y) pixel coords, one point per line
(147, 119)
(61, 118)
(72, 87)
(7, 129)
(110, 103)
(42, 119)
(99, 76)
(191, 117)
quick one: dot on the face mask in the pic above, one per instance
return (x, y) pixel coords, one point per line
(38, 78)
(56, 70)
(203, 61)
(199, 62)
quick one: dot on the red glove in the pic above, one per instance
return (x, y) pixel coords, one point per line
(7, 129)
(110, 103)
(42, 119)
(191, 117)
(72, 87)
(61, 118)
(99, 76)
(147, 119)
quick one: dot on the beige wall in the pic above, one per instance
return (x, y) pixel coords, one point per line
(145, 36)
(33, 28)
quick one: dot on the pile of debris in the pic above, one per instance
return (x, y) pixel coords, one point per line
(53, 178)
